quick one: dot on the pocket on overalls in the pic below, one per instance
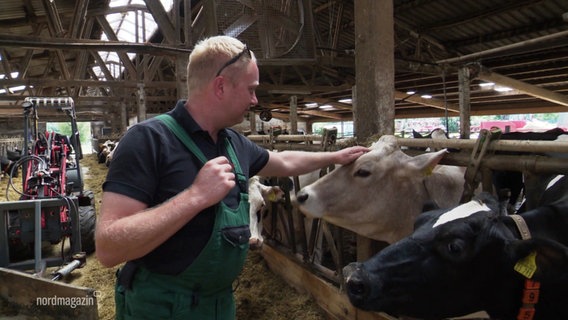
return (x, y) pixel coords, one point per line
(237, 235)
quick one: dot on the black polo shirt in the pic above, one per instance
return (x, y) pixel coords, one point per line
(152, 165)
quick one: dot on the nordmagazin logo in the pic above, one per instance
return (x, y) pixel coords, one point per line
(71, 302)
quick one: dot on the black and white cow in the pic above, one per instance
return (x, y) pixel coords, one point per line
(259, 195)
(7, 162)
(105, 149)
(436, 134)
(463, 260)
(6, 165)
(514, 180)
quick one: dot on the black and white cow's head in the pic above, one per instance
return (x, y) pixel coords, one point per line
(461, 261)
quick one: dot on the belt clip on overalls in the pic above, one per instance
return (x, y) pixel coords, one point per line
(204, 290)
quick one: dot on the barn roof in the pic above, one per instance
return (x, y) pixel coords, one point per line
(305, 48)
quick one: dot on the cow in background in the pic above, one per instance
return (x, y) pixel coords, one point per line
(104, 149)
(381, 193)
(436, 134)
(284, 229)
(473, 258)
(514, 180)
(110, 154)
(259, 195)
(9, 161)
(6, 166)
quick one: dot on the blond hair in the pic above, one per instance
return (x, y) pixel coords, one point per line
(208, 57)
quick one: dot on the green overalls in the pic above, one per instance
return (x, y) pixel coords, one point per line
(204, 290)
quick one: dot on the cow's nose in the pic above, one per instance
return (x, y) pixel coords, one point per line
(302, 196)
(357, 281)
(356, 288)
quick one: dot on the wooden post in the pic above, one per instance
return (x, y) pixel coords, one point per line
(293, 115)
(141, 103)
(123, 117)
(374, 62)
(252, 122)
(181, 75)
(464, 100)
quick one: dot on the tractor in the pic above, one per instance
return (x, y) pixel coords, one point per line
(53, 205)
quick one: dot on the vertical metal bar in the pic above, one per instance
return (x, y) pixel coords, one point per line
(76, 245)
(28, 105)
(37, 240)
(301, 221)
(5, 251)
(291, 227)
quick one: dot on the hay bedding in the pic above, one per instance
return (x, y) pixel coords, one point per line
(259, 294)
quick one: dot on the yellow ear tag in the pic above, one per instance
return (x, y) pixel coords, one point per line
(428, 171)
(272, 196)
(527, 265)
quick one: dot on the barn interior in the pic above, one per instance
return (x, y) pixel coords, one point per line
(125, 59)
(366, 61)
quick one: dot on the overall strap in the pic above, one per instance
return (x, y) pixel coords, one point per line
(241, 179)
(182, 135)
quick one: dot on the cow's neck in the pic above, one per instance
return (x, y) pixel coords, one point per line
(548, 222)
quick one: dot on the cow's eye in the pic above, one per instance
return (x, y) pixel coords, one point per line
(455, 248)
(362, 173)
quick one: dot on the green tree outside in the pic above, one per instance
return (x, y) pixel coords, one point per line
(64, 128)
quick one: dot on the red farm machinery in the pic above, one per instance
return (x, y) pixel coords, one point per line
(53, 205)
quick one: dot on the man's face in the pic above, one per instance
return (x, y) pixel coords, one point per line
(242, 91)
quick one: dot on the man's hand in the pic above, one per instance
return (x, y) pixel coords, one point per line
(348, 155)
(215, 180)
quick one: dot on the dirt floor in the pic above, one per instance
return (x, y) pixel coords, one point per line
(260, 294)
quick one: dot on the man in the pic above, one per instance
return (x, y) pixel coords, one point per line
(174, 204)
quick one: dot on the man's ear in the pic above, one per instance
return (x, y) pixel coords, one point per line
(219, 86)
(550, 261)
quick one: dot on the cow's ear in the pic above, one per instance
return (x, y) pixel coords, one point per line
(549, 258)
(427, 216)
(426, 162)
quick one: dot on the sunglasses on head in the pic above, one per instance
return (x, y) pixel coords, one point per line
(234, 59)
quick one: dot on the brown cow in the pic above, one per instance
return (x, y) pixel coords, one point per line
(381, 193)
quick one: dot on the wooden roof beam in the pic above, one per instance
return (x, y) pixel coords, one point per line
(526, 88)
(517, 45)
(79, 19)
(161, 17)
(56, 30)
(82, 57)
(434, 103)
(128, 65)
(300, 89)
(90, 83)
(6, 63)
(323, 114)
(8, 40)
(317, 113)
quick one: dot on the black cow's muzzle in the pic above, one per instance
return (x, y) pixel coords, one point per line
(357, 283)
